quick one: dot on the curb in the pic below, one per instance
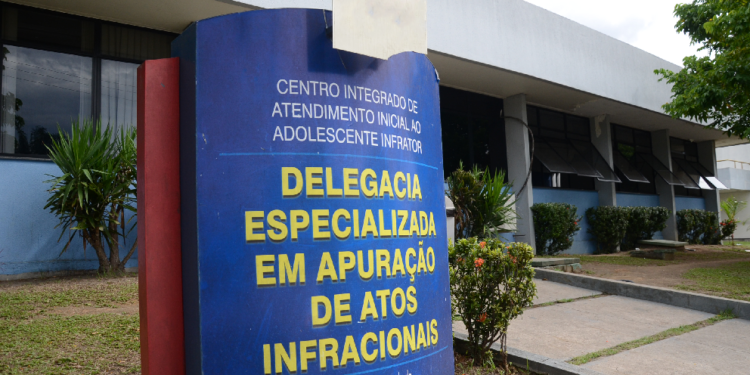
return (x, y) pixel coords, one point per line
(524, 360)
(693, 301)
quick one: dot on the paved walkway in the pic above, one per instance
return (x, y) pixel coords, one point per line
(566, 330)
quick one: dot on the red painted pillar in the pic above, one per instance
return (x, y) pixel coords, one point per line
(159, 246)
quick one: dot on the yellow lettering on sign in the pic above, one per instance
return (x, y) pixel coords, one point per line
(286, 190)
(251, 226)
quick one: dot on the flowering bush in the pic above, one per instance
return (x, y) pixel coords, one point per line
(555, 224)
(491, 284)
(728, 227)
(699, 227)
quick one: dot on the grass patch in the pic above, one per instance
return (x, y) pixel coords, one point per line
(551, 303)
(672, 332)
(71, 345)
(745, 244)
(728, 280)
(624, 260)
(568, 300)
(25, 301)
(33, 341)
(680, 257)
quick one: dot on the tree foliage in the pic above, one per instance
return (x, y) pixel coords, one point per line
(714, 89)
(97, 186)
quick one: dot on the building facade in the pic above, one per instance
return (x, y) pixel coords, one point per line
(592, 103)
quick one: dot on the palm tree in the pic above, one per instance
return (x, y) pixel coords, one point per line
(731, 207)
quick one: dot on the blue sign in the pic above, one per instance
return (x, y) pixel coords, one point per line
(313, 214)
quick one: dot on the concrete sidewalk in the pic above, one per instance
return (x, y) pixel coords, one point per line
(566, 330)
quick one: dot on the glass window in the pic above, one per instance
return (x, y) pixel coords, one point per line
(43, 92)
(556, 162)
(685, 150)
(473, 131)
(119, 93)
(637, 175)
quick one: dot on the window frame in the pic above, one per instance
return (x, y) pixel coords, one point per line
(651, 176)
(95, 55)
(560, 180)
(475, 109)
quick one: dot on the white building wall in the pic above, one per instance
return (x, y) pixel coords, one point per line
(524, 38)
(521, 37)
(737, 157)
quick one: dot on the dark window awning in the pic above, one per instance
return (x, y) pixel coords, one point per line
(689, 181)
(569, 154)
(660, 169)
(595, 158)
(708, 176)
(573, 157)
(702, 174)
(627, 170)
(550, 159)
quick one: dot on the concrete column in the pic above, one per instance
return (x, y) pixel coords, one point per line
(661, 150)
(519, 162)
(707, 158)
(601, 137)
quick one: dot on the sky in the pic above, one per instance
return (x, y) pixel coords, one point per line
(646, 24)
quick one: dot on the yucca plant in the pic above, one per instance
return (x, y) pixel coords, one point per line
(97, 186)
(483, 202)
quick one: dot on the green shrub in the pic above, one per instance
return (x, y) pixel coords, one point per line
(607, 225)
(491, 283)
(698, 227)
(643, 223)
(555, 224)
(688, 226)
(483, 202)
(712, 232)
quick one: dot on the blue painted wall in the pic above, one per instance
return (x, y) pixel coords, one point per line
(582, 242)
(28, 237)
(684, 203)
(637, 200)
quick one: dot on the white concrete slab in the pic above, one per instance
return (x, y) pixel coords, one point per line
(548, 291)
(723, 348)
(568, 330)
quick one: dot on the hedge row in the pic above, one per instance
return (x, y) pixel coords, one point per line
(624, 226)
(555, 224)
